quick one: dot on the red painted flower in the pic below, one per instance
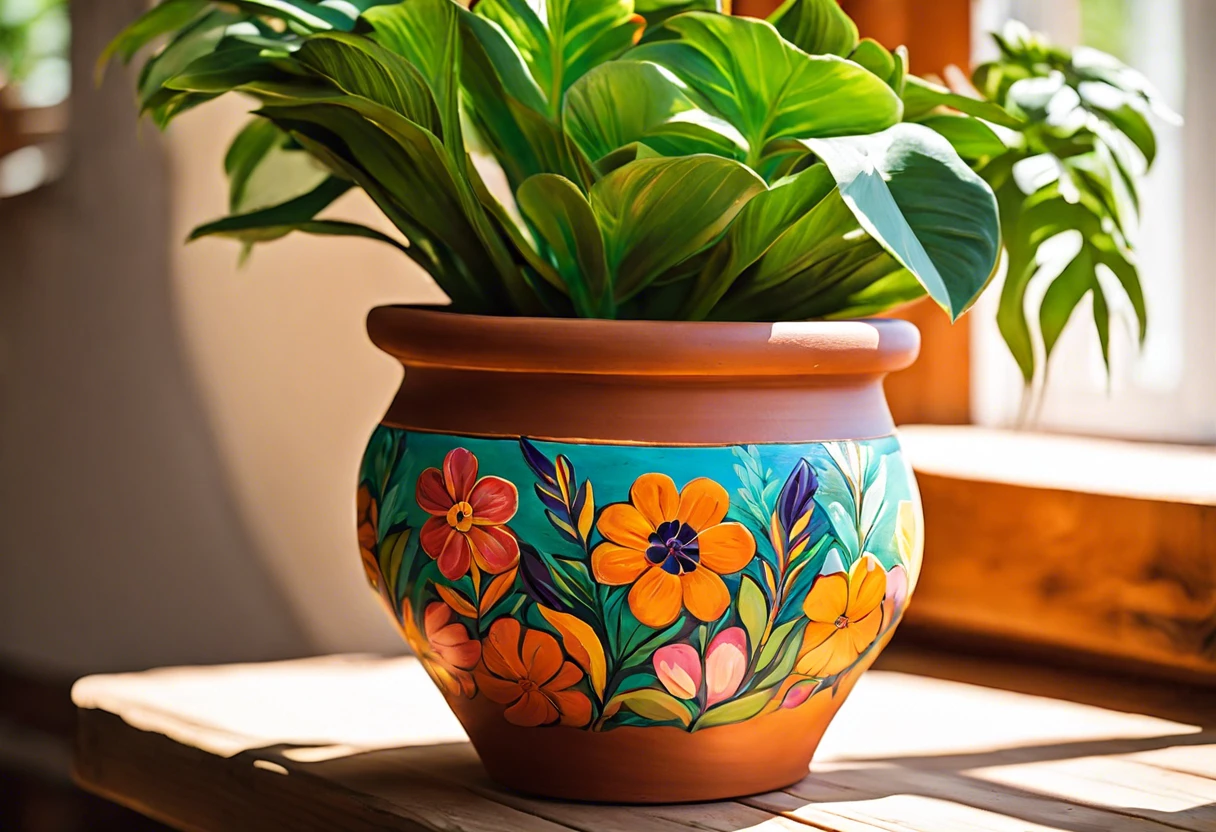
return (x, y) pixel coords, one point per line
(468, 517)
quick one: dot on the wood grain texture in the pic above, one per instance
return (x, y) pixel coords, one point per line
(1074, 559)
(909, 753)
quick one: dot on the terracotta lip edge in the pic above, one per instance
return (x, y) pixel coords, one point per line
(632, 443)
(426, 337)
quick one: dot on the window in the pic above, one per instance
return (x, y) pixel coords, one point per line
(1167, 391)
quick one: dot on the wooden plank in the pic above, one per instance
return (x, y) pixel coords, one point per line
(192, 789)
(1075, 561)
(195, 748)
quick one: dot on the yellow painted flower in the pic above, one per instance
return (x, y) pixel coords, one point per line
(845, 612)
(673, 547)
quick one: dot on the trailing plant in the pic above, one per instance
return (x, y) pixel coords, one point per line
(664, 160)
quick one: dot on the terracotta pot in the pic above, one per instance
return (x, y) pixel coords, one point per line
(644, 562)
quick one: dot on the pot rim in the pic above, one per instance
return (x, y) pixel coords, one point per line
(430, 336)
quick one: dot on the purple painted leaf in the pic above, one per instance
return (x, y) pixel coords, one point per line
(538, 462)
(798, 495)
(536, 580)
(551, 502)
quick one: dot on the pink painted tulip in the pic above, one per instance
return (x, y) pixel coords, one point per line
(896, 595)
(679, 669)
(798, 694)
(725, 665)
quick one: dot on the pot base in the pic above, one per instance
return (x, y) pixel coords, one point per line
(653, 764)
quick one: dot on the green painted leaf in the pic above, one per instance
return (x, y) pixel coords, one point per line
(623, 102)
(736, 710)
(655, 213)
(767, 88)
(561, 40)
(776, 640)
(563, 217)
(753, 611)
(819, 27)
(655, 705)
(914, 195)
(921, 98)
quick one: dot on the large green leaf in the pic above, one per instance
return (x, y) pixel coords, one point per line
(409, 165)
(507, 107)
(278, 220)
(970, 137)
(315, 17)
(823, 263)
(263, 172)
(655, 213)
(1063, 295)
(159, 20)
(196, 40)
(759, 225)
(767, 88)
(656, 11)
(563, 217)
(362, 67)
(622, 102)
(561, 40)
(427, 34)
(819, 27)
(919, 200)
(921, 98)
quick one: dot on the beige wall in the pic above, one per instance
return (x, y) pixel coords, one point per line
(179, 440)
(291, 383)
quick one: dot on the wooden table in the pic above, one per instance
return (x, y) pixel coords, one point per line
(359, 743)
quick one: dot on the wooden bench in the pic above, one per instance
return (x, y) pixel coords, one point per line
(359, 743)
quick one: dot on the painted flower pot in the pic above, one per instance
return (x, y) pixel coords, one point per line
(644, 562)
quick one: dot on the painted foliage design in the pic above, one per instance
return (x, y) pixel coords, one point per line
(717, 585)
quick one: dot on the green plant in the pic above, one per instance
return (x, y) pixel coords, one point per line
(1072, 164)
(33, 35)
(667, 161)
(664, 160)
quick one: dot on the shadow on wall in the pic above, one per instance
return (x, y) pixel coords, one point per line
(178, 442)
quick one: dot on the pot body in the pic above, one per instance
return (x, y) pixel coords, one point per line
(644, 562)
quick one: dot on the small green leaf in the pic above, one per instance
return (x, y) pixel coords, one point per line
(736, 710)
(775, 641)
(277, 221)
(656, 11)
(819, 27)
(753, 611)
(655, 705)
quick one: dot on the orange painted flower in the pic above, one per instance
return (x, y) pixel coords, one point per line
(845, 612)
(531, 677)
(468, 517)
(672, 546)
(369, 540)
(446, 651)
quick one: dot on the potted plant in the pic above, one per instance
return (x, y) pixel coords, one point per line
(638, 506)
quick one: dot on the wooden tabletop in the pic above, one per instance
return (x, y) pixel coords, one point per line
(359, 743)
